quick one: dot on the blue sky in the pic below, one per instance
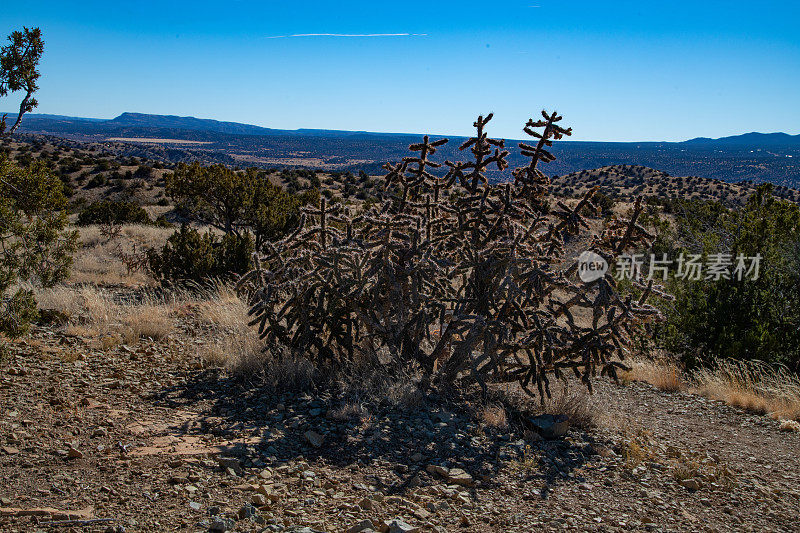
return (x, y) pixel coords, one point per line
(616, 70)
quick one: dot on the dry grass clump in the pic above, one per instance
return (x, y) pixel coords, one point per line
(232, 344)
(753, 386)
(220, 307)
(241, 354)
(494, 416)
(94, 313)
(664, 374)
(63, 299)
(97, 260)
(582, 409)
(149, 320)
(352, 410)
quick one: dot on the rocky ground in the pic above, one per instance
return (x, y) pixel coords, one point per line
(139, 438)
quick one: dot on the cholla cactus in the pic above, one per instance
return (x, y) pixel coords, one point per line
(469, 288)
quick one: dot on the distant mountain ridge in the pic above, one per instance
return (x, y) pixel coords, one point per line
(127, 121)
(752, 139)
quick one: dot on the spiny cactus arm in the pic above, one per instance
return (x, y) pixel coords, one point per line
(551, 129)
(629, 231)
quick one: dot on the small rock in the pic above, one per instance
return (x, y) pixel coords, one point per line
(314, 438)
(437, 469)
(366, 504)
(421, 513)
(458, 476)
(397, 526)
(73, 453)
(247, 511)
(691, 484)
(362, 527)
(221, 524)
(230, 463)
(268, 493)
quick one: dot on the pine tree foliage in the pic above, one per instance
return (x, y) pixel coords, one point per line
(469, 288)
(19, 71)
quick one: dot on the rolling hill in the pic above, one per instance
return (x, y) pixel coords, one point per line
(773, 157)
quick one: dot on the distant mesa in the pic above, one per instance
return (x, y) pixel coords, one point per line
(144, 120)
(752, 139)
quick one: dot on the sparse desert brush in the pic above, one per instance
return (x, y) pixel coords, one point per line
(35, 245)
(352, 410)
(637, 446)
(751, 385)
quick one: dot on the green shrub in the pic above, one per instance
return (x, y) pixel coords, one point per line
(238, 202)
(730, 318)
(190, 255)
(34, 244)
(604, 202)
(113, 212)
(98, 180)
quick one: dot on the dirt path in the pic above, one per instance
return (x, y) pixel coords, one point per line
(141, 437)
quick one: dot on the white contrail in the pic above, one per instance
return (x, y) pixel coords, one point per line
(348, 35)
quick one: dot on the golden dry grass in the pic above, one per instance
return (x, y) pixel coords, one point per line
(664, 374)
(94, 313)
(232, 344)
(752, 386)
(97, 261)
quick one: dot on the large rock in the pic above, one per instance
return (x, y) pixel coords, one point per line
(397, 526)
(550, 426)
